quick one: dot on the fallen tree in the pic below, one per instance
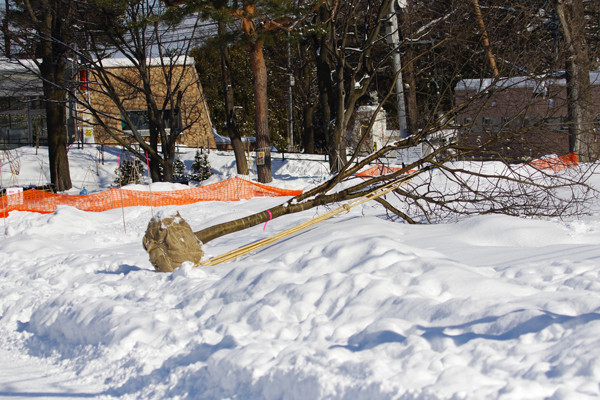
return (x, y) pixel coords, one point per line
(518, 189)
(468, 165)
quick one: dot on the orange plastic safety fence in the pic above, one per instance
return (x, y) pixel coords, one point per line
(377, 170)
(556, 163)
(229, 190)
(553, 164)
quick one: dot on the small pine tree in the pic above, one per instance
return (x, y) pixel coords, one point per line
(179, 174)
(200, 167)
(129, 172)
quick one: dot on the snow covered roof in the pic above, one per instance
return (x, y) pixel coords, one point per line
(116, 62)
(24, 65)
(19, 78)
(219, 139)
(13, 65)
(224, 140)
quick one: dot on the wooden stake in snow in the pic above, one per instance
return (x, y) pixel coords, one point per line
(121, 193)
(149, 183)
(3, 200)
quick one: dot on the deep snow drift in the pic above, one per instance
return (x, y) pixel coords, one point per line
(358, 307)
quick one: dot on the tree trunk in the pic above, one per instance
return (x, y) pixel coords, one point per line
(410, 76)
(326, 86)
(168, 170)
(154, 161)
(261, 105)
(309, 103)
(485, 39)
(232, 128)
(582, 132)
(57, 138)
(317, 196)
(291, 207)
(259, 70)
(308, 134)
(52, 70)
(337, 149)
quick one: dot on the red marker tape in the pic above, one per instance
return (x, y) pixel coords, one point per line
(270, 218)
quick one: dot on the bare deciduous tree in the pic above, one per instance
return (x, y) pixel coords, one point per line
(43, 31)
(155, 77)
(348, 35)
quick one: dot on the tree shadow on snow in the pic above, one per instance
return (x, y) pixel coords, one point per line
(123, 269)
(368, 340)
(533, 325)
(48, 395)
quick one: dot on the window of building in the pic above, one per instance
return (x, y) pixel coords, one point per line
(22, 121)
(141, 122)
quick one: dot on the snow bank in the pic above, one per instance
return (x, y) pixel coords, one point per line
(358, 307)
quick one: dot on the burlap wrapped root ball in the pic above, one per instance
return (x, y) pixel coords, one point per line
(170, 241)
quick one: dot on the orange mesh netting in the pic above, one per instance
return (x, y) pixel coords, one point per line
(229, 190)
(556, 163)
(378, 170)
(550, 163)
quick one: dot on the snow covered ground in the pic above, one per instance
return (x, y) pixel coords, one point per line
(358, 307)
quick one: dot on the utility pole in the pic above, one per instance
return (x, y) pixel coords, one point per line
(290, 97)
(6, 31)
(394, 40)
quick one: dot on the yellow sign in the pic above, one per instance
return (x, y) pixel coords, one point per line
(260, 158)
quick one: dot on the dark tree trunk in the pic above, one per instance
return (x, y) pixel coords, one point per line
(168, 168)
(52, 70)
(327, 95)
(226, 228)
(57, 138)
(409, 76)
(232, 128)
(309, 102)
(154, 161)
(582, 133)
(317, 196)
(261, 105)
(308, 135)
(259, 70)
